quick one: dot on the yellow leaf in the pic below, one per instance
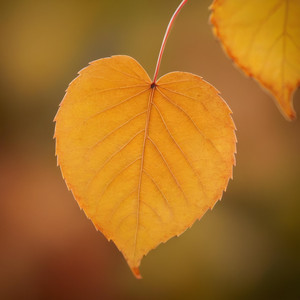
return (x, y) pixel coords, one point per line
(263, 38)
(144, 161)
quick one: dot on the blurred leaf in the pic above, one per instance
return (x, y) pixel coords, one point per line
(263, 38)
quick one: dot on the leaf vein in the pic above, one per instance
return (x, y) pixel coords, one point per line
(175, 81)
(142, 166)
(159, 189)
(112, 180)
(181, 151)
(260, 26)
(139, 78)
(186, 96)
(154, 211)
(115, 105)
(193, 122)
(291, 38)
(114, 154)
(115, 130)
(117, 206)
(171, 172)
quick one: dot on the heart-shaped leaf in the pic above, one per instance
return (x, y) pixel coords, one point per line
(143, 160)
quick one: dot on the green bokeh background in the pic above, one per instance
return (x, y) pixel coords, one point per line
(248, 247)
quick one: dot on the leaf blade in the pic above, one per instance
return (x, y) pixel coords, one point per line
(148, 180)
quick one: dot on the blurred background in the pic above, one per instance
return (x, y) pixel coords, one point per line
(248, 247)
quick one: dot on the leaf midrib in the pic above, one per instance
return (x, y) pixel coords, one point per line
(149, 108)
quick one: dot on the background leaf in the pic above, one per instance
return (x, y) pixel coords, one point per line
(263, 38)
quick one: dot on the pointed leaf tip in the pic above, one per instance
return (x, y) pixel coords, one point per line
(136, 273)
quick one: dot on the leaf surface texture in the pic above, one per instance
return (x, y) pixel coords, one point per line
(144, 163)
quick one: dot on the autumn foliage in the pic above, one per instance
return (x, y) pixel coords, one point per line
(263, 38)
(146, 158)
(143, 162)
